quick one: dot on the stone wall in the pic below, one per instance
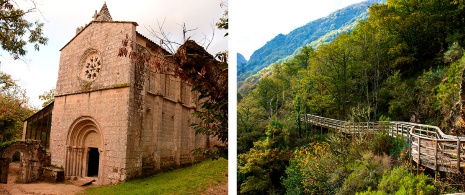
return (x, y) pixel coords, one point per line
(139, 119)
(109, 109)
(160, 137)
(33, 159)
(104, 38)
(103, 98)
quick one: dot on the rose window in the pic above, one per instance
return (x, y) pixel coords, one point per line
(92, 67)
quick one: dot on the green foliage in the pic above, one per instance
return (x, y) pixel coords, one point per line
(447, 96)
(293, 180)
(390, 67)
(400, 181)
(16, 31)
(48, 97)
(314, 166)
(365, 173)
(194, 179)
(264, 164)
(249, 131)
(454, 53)
(381, 143)
(281, 46)
(4, 145)
(223, 23)
(14, 108)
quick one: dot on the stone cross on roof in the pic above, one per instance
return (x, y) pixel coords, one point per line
(103, 15)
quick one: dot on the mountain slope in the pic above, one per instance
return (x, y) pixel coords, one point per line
(319, 31)
(241, 61)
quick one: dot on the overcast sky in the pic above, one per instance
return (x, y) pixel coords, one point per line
(61, 19)
(253, 23)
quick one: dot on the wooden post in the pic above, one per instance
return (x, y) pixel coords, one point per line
(419, 156)
(402, 130)
(410, 150)
(458, 155)
(436, 171)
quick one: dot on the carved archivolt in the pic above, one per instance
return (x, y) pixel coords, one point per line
(85, 131)
(83, 134)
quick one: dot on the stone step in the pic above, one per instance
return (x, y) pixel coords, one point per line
(84, 181)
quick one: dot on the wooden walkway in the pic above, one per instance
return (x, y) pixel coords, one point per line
(428, 145)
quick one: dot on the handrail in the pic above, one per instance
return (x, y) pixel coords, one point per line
(428, 145)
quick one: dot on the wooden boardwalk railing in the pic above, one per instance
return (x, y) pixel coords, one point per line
(428, 145)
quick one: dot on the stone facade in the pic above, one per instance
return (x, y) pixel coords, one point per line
(116, 120)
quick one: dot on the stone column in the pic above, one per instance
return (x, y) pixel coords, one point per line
(80, 152)
(67, 160)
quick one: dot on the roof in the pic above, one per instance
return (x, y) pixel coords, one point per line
(48, 108)
(153, 43)
(103, 16)
(135, 23)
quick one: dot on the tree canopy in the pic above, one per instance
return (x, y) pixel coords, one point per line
(16, 31)
(14, 108)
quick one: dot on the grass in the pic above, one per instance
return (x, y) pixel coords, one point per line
(194, 179)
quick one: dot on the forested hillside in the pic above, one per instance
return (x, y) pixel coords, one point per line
(240, 59)
(322, 30)
(404, 63)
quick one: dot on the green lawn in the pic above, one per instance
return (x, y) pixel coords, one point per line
(194, 179)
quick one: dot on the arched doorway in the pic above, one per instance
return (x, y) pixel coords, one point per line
(14, 168)
(84, 149)
(30, 162)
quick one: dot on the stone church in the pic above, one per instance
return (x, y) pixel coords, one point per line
(111, 119)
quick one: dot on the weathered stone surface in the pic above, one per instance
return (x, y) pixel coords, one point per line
(53, 174)
(114, 119)
(33, 159)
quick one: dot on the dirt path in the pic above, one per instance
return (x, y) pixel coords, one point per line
(11, 188)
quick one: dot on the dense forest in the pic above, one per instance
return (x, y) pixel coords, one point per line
(404, 63)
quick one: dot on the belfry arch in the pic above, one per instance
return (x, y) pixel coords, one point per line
(84, 149)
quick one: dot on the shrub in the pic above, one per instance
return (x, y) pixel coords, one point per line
(454, 53)
(365, 173)
(316, 168)
(401, 181)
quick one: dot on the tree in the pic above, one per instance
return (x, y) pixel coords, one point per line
(47, 97)
(265, 163)
(223, 23)
(13, 108)
(250, 117)
(16, 31)
(334, 71)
